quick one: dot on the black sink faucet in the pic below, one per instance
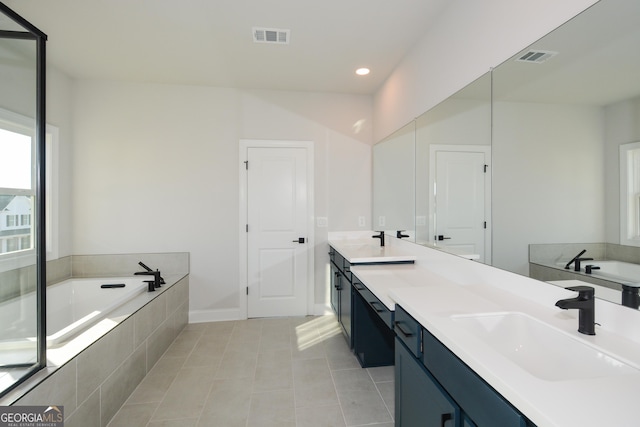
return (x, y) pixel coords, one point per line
(379, 236)
(399, 234)
(151, 284)
(585, 303)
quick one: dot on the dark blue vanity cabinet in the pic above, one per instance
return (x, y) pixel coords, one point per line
(420, 401)
(435, 388)
(341, 292)
(372, 328)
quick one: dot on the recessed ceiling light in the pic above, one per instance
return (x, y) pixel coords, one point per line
(362, 71)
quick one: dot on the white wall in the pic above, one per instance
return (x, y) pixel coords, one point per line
(155, 169)
(465, 42)
(548, 178)
(59, 114)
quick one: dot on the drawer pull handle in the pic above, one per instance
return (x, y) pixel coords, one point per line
(373, 304)
(444, 418)
(402, 330)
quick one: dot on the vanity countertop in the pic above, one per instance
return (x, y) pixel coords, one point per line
(361, 248)
(597, 387)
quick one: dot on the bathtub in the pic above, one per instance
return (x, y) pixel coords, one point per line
(625, 273)
(72, 306)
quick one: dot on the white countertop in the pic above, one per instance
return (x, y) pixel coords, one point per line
(362, 248)
(440, 287)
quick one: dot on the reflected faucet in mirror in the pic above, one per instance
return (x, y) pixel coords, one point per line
(399, 234)
(576, 258)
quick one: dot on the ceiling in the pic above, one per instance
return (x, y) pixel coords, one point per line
(209, 42)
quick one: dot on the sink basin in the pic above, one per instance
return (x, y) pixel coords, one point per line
(540, 349)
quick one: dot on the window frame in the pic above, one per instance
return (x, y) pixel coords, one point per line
(19, 123)
(629, 234)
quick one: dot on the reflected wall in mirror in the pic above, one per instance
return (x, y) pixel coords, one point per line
(559, 118)
(453, 173)
(394, 182)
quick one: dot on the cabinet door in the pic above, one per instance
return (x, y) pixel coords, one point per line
(335, 289)
(466, 422)
(345, 308)
(419, 400)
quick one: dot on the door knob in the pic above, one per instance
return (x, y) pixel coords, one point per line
(441, 237)
(299, 240)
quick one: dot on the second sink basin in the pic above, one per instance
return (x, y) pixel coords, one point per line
(540, 349)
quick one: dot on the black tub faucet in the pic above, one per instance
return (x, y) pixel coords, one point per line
(399, 234)
(585, 303)
(151, 284)
(379, 236)
(589, 268)
(566, 267)
(143, 265)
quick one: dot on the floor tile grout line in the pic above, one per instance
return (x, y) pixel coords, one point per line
(176, 377)
(126, 402)
(206, 399)
(380, 394)
(344, 418)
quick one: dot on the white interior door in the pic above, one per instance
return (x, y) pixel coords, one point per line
(277, 234)
(460, 201)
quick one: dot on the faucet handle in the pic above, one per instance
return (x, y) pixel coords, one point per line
(584, 292)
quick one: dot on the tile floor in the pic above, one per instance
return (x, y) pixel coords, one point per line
(261, 372)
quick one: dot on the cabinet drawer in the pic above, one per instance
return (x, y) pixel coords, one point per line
(378, 307)
(479, 401)
(408, 330)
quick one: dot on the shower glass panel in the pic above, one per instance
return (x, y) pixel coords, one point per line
(22, 300)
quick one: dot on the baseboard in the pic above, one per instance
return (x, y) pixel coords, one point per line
(201, 316)
(322, 309)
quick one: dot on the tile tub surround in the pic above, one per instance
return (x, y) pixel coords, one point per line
(261, 372)
(552, 254)
(544, 260)
(22, 280)
(93, 373)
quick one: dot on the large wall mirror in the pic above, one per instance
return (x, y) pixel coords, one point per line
(553, 118)
(453, 173)
(562, 108)
(394, 182)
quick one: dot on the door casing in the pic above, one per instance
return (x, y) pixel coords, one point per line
(245, 144)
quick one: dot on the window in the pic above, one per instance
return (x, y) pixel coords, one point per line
(630, 194)
(17, 192)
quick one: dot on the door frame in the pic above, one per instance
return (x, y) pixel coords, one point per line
(486, 150)
(245, 145)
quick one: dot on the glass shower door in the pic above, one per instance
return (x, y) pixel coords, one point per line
(22, 256)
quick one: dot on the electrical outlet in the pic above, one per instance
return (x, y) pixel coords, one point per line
(362, 222)
(322, 221)
(421, 221)
(382, 220)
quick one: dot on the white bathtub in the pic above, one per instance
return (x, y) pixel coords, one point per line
(72, 306)
(616, 271)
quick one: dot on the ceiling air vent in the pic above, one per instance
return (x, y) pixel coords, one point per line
(536, 56)
(271, 35)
